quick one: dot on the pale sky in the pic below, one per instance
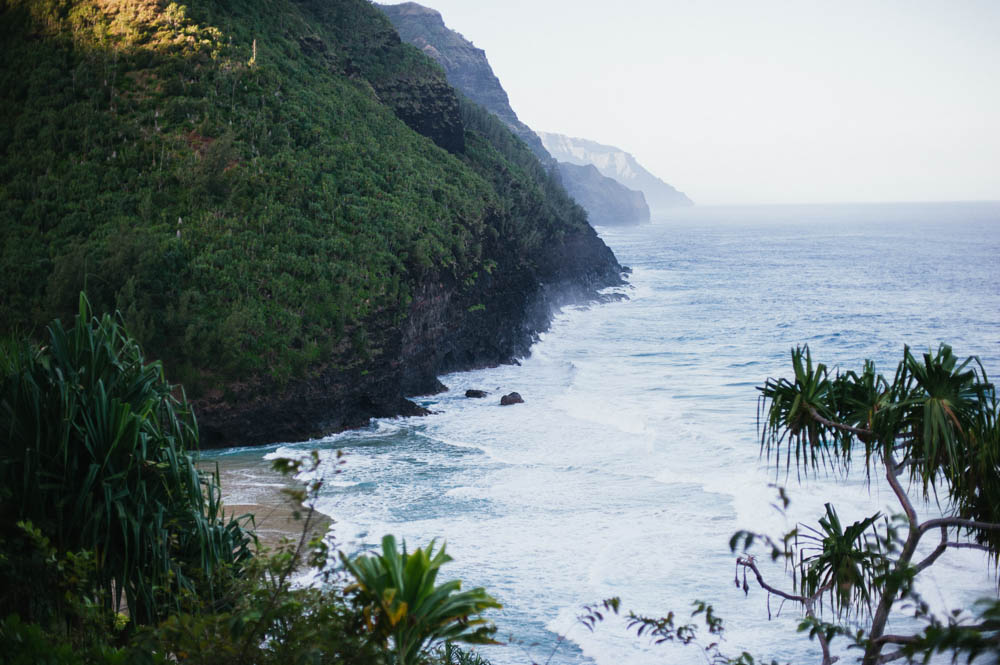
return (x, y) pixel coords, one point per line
(762, 101)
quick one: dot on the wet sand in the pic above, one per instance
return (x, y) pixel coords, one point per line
(251, 486)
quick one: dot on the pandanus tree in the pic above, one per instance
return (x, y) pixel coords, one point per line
(931, 431)
(96, 457)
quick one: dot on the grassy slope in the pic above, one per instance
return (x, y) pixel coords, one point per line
(251, 216)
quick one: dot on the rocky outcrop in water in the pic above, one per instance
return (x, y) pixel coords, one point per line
(511, 398)
(608, 203)
(617, 164)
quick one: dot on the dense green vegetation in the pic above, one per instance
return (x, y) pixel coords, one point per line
(234, 176)
(96, 459)
(114, 548)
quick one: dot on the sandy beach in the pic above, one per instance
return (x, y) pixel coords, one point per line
(251, 486)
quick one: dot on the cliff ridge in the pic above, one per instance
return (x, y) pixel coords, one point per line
(467, 68)
(617, 164)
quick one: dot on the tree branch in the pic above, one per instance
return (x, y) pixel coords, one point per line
(981, 628)
(748, 562)
(958, 522)
(881, 616)
(938, 551)
(897, 488)
(807, 603)
(860, 431)
(889, 657)
(897, 639)
(969, 546)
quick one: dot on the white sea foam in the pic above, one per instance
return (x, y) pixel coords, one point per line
(465, 492)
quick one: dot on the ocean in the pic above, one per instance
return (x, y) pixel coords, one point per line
(636, 456)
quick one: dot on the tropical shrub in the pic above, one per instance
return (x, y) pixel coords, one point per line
(405, 609)
(97, 454)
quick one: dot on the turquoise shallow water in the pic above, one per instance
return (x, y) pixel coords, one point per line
(635, 457)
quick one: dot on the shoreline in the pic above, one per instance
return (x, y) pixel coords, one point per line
(250, 486)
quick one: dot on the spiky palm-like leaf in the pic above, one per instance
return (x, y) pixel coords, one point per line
(937, 417)
(844, 564)
(790, 409)
(400, 600)
(96, 452)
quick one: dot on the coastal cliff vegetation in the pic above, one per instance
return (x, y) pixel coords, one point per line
(260, 187)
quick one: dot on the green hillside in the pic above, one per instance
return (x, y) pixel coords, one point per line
(258, 185)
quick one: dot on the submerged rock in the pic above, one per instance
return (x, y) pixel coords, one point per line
(511, 398)
(475, 393)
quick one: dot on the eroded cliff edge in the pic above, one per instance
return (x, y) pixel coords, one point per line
(447, 328)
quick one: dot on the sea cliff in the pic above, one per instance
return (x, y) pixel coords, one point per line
(607, 202)
(288, 205)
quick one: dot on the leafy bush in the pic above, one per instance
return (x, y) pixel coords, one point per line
(401, 602)
(100, 498)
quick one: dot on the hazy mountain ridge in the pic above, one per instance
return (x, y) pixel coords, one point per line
(606, 200)
(617, 164)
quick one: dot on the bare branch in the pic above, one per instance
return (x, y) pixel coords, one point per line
(889, 657)
(938, 551)
(958, 522)
(907, 461)
(897, 639)
(897, 488)
(969, 546)
(860, 431)
(748, 562)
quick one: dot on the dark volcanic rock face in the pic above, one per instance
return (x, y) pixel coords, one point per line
(448, 328)
(429, 107)
(607, 202)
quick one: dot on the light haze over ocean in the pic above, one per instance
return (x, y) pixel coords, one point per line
(635, 456)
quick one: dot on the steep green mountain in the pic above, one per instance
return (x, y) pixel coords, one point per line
(617, 164)
(293, 209)
(605, 200)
